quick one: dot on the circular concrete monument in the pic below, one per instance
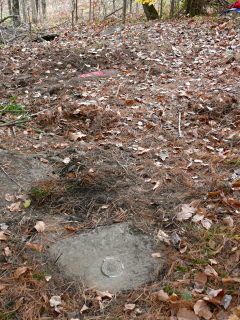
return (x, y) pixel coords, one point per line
(113, 258)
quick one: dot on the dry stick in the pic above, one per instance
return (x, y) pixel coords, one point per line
(179, 125)
(12, 123)
(13, 16)
(118, 89)
(11, 178)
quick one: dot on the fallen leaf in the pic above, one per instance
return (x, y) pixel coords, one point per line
(230, 280)
(48, 278)
(162, 295)
(206, 223)
(186, 212)
(226, 301)
(214, 193)
(213, 261)
(156, 255)
(7, 252)
(104, 294)
(2, 287)
(202, 309)
(69, 228)
(210, 271)
(66, 160)
(129, 306)
(84, 308)
(183, 250)
(27, 203)
(3, 236)
(14, 207)
(43, 160)
(40, 226)
(228, 221)
(34, 246)
(186, 314)
(9, 197)
(162, 236)
(74, 136)
(55, 301)
(157, 184)
(197, 217)
(20, 271)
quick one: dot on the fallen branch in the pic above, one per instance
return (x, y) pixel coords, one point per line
(110, 14)
(179, 125)
(6, 174)
(8, 17)
(15, 122)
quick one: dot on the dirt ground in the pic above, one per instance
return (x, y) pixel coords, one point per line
(154, 141)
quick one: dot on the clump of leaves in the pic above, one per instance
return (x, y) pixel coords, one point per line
(45, 191)
(11, 107)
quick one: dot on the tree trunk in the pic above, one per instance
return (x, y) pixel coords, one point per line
(150, 12)
(34, 11)
(44, 8)
(16, 12)
(172, 9)
(23, 11)
(124, 11)
(194, 7)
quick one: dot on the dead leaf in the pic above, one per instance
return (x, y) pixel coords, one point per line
(162, 236)
(210, 271)
(213, 261)
(157, 184)
(156, 255)
(40, 226)
(84, 308)
(228, 221)
(74, 136)
(7, 252)
(9, 197)
(14, 207)
(3, 236)
(226, 301)
(197, 217)
(206, 223)
(201, 309)
(34, 246)
(104, 294)
(55, 301)
(20, 271)
(183, 250)
(214, 193)
(186, 314)
(129, 306)
(48, 278)
(2, 287)
(186, 212)
(43, 160)
(162, 295)
(69, 228)
(230, 280)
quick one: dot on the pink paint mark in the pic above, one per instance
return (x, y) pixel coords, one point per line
(96, 73)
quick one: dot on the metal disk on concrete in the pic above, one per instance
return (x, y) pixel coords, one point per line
(110, 258)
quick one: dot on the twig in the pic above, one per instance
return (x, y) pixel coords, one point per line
(12, 123)
(4, 19)
(112, 13)
(11, 178)
(118, 89)
(147, 73)
(179, 124)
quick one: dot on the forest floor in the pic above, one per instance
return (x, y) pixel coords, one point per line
(153, 139)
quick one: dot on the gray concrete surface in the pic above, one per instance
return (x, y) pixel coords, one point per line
(110, 258)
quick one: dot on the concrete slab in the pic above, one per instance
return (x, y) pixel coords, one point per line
(18, 172)
(113, 258)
